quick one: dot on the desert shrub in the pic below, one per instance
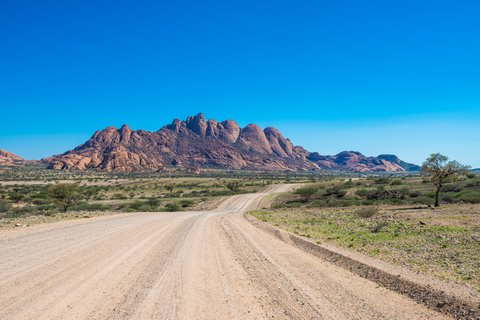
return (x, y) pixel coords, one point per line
(172, 207)
(414, 194)
(118, 196)
(39, 201)
(306, 192)
(367, 202)
(41, 195)
(44, 208)
(185, 203)
(153, 202)
(452, 188)
(370, 194)
(473, 183)
(21, 211)
(335, 191)
(348, 184)
(423, 200)
(5, 206)
(233, 186)
(136, 205)
(471, 176)
(318, 203)
(403, 192)
(381, 194)
(90, 207)
(17, 197)
(342, 202)
(448, 198)
(379, 226)
(469, 196)
(367, 212)
(396, 182)
(382, 180)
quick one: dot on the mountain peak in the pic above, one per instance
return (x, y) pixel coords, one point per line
(197, 124)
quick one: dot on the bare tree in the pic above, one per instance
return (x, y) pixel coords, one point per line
(440, 171)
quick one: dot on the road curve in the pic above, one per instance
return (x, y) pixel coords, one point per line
(189, 265)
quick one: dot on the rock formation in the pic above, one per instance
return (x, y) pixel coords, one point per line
(10, 159)
(197, 143)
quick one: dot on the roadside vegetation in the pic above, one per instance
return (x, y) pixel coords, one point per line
(33, 195)
(392, 218)
(123, 195)
(413, 190)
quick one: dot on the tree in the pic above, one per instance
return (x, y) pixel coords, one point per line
(440, 171)
(233, 186)
(65, 195)
(306, 193)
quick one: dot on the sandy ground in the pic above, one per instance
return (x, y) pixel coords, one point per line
(189, 265)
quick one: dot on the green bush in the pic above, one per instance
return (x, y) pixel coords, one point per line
(335, 191)
(306, 193)
(452, 188)
(469, 196)
(172, 207)
(90, 207)
(396, 182)
(5, 206)
(383, 180)
(136, 205)
(21, 211)
(186, 203)
(153, 202)
(414, 194)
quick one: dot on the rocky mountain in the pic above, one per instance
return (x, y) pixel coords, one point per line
(394, 159)
(354, 161)
(10, 159)
(196, 143)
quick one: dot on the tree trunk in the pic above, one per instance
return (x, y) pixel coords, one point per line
(437, 196)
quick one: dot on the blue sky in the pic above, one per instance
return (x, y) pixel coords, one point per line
(397, 77)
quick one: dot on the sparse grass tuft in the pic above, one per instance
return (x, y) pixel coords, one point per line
(367, 212)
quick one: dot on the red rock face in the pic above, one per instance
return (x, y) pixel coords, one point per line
(10, 159)
(228, 131)
(252, 138)
(279, 145)
(197, 143)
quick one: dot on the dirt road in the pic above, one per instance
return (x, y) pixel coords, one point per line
(189, 265)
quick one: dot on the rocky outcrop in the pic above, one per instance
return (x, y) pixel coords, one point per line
(10, 159)
(280, 146)
(198, 143)
(252, 138)
(354, 161)
(394, 159)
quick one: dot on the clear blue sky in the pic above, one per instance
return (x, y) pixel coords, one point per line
(374, 76)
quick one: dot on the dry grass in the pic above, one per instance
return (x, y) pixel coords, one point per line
(444, 242)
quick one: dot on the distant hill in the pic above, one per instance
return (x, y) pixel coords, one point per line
(196, 143)
(10, 159)
(405, 165)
